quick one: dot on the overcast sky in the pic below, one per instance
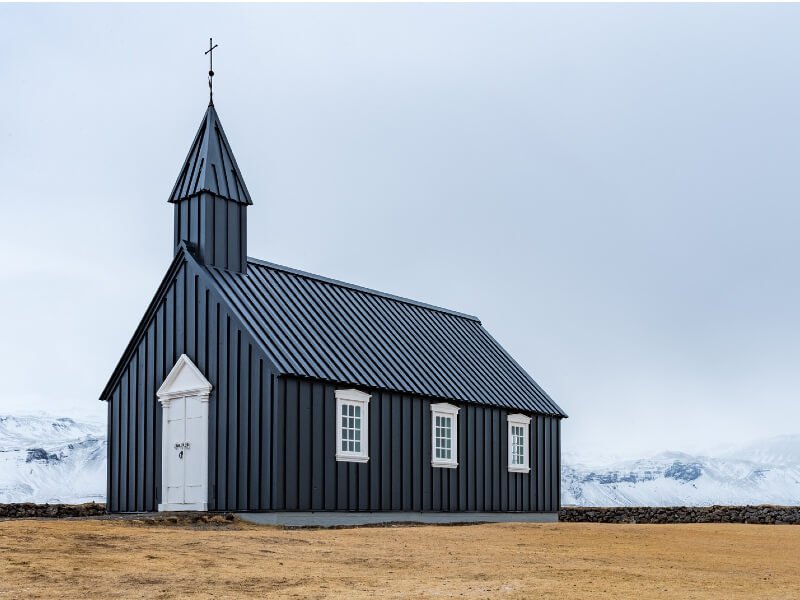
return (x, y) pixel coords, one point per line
(612, 189)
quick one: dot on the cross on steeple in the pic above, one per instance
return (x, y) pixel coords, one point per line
(210, 52)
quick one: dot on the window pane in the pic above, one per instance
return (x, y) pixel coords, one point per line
(517, 443)
(350, 428)
(443, 437)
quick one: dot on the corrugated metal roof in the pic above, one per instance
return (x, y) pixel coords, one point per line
(210, 165)
(325, 329)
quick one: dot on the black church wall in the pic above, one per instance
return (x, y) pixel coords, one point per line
(305, 475)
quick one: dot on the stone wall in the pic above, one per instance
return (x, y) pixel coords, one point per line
(55, 511)
(763, 514)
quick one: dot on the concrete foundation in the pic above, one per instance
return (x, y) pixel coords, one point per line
(335, 519)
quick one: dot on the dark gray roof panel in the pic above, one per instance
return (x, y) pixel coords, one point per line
(210, 165)
(325, 329)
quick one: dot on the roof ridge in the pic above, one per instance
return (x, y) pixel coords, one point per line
(360, 288)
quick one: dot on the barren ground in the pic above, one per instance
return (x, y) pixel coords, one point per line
(120, 559)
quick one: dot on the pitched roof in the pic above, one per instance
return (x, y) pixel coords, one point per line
(325, 329)
(210, 165)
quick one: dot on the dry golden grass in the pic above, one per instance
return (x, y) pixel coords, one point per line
(117, 559)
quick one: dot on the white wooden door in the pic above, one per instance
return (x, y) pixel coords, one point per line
(185, 454)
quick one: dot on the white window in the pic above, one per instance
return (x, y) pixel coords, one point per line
(518, 428)
(352, 426)
(444, 435)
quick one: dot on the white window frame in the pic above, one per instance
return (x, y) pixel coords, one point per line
(444, 409)
(518, 420)
(357, 398)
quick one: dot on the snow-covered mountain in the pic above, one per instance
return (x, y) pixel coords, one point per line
(50, 459)
(761, 472)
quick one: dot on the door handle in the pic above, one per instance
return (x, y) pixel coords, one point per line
(180, 454)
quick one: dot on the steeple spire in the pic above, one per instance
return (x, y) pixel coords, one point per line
(210, 165)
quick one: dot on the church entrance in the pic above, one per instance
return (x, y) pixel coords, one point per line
(187, 458)
(184, 451)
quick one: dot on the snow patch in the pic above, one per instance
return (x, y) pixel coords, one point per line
(51, 459)
(761, 472)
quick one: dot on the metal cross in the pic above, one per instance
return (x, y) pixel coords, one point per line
(210, 52)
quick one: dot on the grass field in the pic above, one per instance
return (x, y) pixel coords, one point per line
(120, 559)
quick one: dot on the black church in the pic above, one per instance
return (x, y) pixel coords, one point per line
(295, 398)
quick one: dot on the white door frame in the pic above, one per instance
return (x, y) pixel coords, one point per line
(185, 381)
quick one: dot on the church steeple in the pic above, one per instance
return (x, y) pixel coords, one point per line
(211, 199)
(210, 165)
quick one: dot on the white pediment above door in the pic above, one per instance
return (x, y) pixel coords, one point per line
(184, 379)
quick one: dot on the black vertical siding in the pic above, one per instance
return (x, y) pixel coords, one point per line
(317, 433)
(254, 454)
(264, 392)
(113, 454)
(232, 421)
(216, 226)
(192, 318)
(132, 439)
(399, 475)
(141, 438)
(124, 446)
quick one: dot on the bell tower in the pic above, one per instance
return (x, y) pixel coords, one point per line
(211, 199)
